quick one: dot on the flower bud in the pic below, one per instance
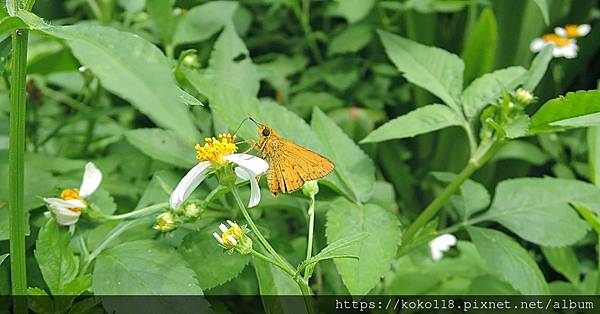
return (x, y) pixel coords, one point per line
(234, 238)
(191, 60)
(165, 222)
(193, 208)
(310, 188)
(523, 96)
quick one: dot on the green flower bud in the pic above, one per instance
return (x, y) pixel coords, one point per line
(165, 222)
(310, 188)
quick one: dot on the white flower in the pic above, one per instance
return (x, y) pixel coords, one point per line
(71, 203)
(214, 154)
(573, 31)
(562, 47)
(441, 244)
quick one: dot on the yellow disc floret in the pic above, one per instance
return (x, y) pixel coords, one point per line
(71, 194)
(557, 40)
(572, 31)
(215, 149)
(233, 233)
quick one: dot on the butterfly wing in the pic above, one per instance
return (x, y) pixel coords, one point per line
(292, 165)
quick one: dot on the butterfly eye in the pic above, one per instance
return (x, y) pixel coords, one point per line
(266, 132)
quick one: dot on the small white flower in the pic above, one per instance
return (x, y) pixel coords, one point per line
(214, 154)
(441, 244)
(562, 47)
(71, 203)
(573, 31)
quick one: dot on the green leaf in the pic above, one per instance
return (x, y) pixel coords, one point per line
(130, 67)
(564, 261)
(143, 267)
(161, 12)
(538, 68)
(375, 253)
(102, 200)
(203, 21)
(353, 167)
(488, 88)
(472, 198)
(11, 23)
(422, 120)
(304, 102)
(509, 260)
(543, 6)
(351, 39)
(578, 109)
(538, 209)
(434, 69)
(330, 251)
(352, 10)
(272, 281)
(3, 257)
(212, 264)
(522, 150)
(56, 259)
(518, 127)
(230, 66)
(163, 145)
(479, 61)
(588, 215)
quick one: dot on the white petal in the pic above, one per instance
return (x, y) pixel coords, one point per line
(223, 228)
(560, 32)
(569, 51)
(218, 238)
(583, 29)
(231, 223)
(231, 240)
(91, 180)
(254, 164)
(189, 183)
(245, 173)
(537, 45)
(57, 203)
(436, 255)
(443, 242)
(66, 217)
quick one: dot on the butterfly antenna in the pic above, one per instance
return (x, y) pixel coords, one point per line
(239, 126)
(253, 120)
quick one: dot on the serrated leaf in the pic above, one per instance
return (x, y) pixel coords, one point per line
(129, 67)
(203, 21)
(212, 264)
(575, 109)
(143, 267)
(509, 260)
(479, 61)
(56, 259)
(422, 120)
(375, 253)
(564, 261)
(489, 87)
(472, 198)
(353, 167)
(102, 200)
(538, 209)
(518, 127)
(163, 145)
(434, 69)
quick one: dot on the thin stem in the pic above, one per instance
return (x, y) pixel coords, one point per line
(117, 231)
(311, 228)
(303, 14)
(137, 212)
(483, 154)
(470, 136)
(16, 168)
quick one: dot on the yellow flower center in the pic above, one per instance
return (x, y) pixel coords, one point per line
(557, 40)
(215, 149)
(234, 231)
(572, 31)
(71, 194)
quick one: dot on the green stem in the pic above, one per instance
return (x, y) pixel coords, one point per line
(309, 243)
(598, 261)
(114, 233)
(471, 137)
(137, 212)
(303, 14)
(16, 168)
(482, 155)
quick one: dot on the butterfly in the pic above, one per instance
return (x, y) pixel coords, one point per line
(290, 165)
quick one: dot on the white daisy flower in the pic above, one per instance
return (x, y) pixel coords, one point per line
(71, 203)
(573, 31)
(441, 244)
(563, 47)
(214, 154)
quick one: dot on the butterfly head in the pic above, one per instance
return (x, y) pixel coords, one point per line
(264, 130)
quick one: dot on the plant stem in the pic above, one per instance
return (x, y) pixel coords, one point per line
(16, 168)
(482, 155)
(138, 212)
(598, 261)
(309, 243)
(303, 13)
